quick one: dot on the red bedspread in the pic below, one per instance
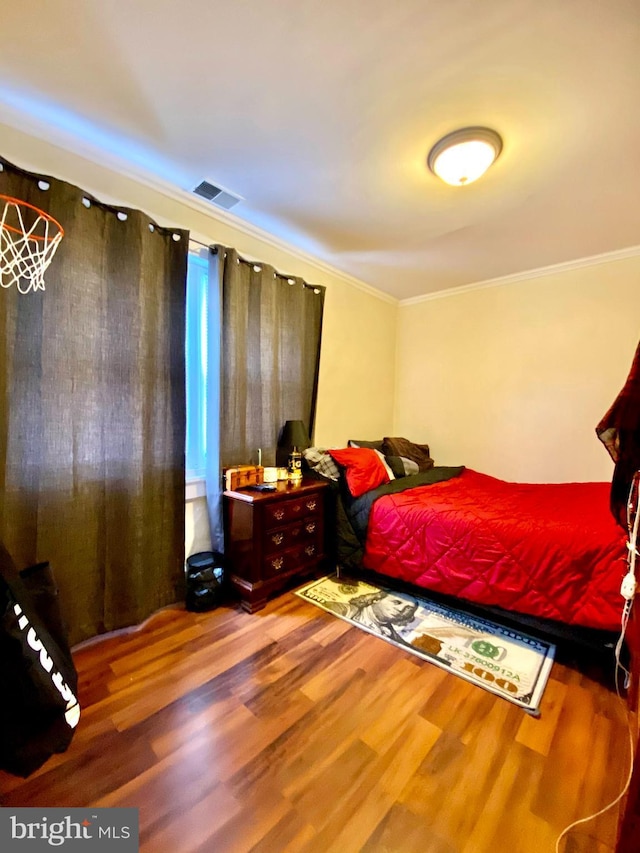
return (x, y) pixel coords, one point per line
(547, 550)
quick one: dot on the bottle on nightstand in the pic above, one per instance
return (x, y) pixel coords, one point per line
(294, 467)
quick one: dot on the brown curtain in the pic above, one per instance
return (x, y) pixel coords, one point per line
(92, 410)
(271, 332)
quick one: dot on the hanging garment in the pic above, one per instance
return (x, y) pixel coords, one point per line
(619, 431)
(39, 710)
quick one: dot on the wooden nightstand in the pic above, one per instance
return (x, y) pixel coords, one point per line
(272, 538)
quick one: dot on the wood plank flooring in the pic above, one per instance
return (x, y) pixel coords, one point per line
(289, 730)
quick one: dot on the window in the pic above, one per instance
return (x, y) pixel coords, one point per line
(196, 363)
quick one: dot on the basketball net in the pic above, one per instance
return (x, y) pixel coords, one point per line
(29, 238)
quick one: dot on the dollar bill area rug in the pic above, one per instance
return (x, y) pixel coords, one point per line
(504, 661)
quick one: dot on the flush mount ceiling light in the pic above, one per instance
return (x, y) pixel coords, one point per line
(464, 155)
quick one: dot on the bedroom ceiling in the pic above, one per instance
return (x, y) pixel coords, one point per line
(321, 113)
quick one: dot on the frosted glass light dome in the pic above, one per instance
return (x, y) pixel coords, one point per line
(465, 155)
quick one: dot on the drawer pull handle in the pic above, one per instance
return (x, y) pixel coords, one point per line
(277, 538)
(296, 507)
(309, 550)
(311, 504)
(277, 563)
(279, 514)
(310, 527)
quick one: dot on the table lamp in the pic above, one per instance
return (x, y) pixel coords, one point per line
(294, 434)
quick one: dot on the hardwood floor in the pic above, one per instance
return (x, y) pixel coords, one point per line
(289, 730)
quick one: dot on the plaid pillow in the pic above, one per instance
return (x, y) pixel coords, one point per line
(320, 461)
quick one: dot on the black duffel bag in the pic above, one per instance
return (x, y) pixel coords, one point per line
(39, 710)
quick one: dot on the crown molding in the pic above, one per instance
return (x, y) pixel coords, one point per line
(49, 134)
(229, 219)
(526, 275)
(79, 147)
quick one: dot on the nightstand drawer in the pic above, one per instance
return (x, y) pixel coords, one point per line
(291, 510)
(293, 560)
(291, 535)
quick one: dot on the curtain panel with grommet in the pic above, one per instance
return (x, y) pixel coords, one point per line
(92, 410)
(271, 331)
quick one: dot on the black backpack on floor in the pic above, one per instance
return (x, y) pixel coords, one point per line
(205, 576)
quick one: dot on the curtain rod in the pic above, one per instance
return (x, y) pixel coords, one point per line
(198, 243)
(317, 288)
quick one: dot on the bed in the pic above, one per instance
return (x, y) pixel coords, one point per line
(551, 552)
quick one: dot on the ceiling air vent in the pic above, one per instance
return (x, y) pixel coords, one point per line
(221, 197)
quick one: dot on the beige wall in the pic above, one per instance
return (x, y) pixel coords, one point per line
(357, 367)
(511, 379)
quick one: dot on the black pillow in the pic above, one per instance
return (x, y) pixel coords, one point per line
(373, 445)
(397, 466)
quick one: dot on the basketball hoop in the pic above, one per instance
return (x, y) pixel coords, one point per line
(29, 238)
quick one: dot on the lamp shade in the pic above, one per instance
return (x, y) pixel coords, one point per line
(465, 155)
(294, 434)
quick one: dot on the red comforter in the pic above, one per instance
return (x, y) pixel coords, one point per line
(546, 550)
